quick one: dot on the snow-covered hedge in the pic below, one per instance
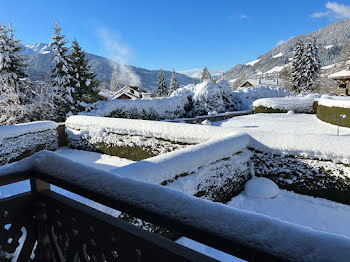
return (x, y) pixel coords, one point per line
(22, 140)
(245, 96)
(135, 139)
(317, 178)
(217, 176)
(187, 101)
(334, 101)
(301, 104)
(329, 106)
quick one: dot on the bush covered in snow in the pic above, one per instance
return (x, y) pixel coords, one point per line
(208, 97)
(316, 178)
(20, 141)
(298, 104)
(328, 106)
(188, 101)
(245, 96)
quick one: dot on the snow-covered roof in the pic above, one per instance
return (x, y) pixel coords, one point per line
(264, 82)
(127, 94)
(344, 74)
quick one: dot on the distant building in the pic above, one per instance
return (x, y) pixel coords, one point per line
(261, 82)
(343, 79)
(132, 92)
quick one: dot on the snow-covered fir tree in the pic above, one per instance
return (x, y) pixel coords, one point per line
(173, 82)
(311, 67)
(298, 67)
(162, 89)
(61, 76)
(205, 75)
(12, 70)
(114, 84)
(83, 80)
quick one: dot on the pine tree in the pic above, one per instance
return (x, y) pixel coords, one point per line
(12, 69)
(311, 64)
(162, 89)
(205, 75)
(173, 82)
(83, 80)
(61, 74)
(194, 81)
(114, 84)
(298, 68)
(12, 64)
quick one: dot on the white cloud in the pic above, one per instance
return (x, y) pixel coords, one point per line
(280, 42)
(243, 16)
(334, 10)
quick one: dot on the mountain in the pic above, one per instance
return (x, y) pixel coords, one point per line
(197, 72)
(193, 73)
(39, 61)
(330, 40)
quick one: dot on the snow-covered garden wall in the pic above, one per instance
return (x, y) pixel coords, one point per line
(135, 139)
(22, 140)
(301, 104)
(329, 106)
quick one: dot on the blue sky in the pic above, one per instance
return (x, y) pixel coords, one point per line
(173, 34)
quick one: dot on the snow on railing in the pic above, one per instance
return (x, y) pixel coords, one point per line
(209, 222)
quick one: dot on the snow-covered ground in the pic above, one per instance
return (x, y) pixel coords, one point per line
(316, 213)
(96, 160)
(297, 134)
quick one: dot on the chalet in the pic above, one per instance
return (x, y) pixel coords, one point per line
(132, 92)
(343, 79)
(261, 82)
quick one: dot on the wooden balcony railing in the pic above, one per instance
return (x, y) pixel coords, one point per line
(42, 225)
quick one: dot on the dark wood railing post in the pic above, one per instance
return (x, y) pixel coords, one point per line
(44, 251)
(62, 136)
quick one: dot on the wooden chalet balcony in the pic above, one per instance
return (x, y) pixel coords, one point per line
(339, 91)
(57, 228)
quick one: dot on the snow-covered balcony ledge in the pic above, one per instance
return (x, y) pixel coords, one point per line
(76, 230)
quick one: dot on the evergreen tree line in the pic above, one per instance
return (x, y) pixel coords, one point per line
(72, 82)
(162, 88)
(305, 66)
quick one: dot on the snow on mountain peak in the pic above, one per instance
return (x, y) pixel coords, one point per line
(39, 48)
